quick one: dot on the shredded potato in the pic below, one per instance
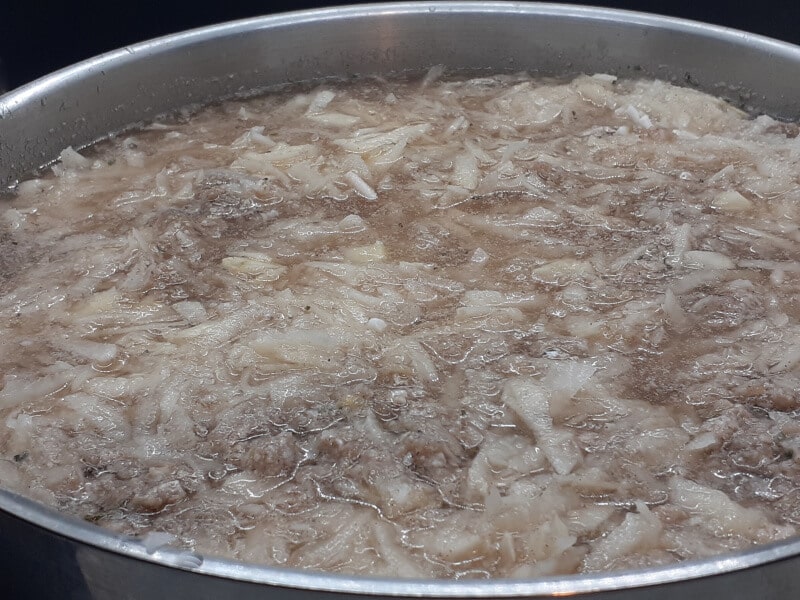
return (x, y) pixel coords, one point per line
(455, 328)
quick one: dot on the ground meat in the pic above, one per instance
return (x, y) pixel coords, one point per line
(488, 327)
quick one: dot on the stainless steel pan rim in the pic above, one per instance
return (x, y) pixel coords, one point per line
(92, 535)
(20, 100)
(726, 55)
(86, 533)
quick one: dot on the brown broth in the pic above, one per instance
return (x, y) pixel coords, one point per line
(495, 327)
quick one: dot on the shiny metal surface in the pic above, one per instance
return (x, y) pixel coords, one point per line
(45, 554)
(77, 105)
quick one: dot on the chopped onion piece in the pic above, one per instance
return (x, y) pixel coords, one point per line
(361, 186)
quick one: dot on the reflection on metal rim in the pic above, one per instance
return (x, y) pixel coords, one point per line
(85, 533)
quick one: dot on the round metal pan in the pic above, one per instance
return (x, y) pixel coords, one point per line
(45, 554)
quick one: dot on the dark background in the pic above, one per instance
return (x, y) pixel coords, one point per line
(40, 36)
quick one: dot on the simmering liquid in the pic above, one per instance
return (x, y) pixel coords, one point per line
(494, 327)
